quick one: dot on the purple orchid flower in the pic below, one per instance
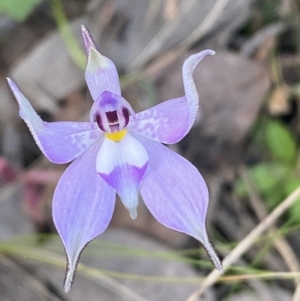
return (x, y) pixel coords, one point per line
(120, 152)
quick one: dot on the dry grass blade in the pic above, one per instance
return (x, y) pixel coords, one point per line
(115, 286)
(159, 39)
(166, 59)
(246, 243)
(89, 272)
(296, 296)
(206, 24)
(280, 243)
(256, 276)
(40, 289)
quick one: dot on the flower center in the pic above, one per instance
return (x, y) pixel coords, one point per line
(116, 136)
(111, 112)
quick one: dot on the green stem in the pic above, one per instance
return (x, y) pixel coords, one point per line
(75, 51)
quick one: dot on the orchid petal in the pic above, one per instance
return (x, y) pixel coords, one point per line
(171, 120)
(122, 165)
(190, 90)
(83, 205)
(100, 73)
(176, 194)
(167, 122)
(60, 142)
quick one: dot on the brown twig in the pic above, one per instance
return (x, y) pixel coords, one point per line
(296, 296)
(280, 243)
(163, 61)
(246, 243)
(37, 285)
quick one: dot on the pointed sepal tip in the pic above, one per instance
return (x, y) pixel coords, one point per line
(70, 274)
(133, 213)
(88, 40)
(203, 238)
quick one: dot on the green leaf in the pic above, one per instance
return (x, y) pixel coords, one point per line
(75, 50)
(281, 143)
(291, 184)
(18, 9)
(267, 178)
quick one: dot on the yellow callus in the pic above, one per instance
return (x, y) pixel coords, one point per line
(116, 136)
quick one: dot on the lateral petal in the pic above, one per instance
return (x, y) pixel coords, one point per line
(167, 122)
(60, 142)
(83, 205)
(122, 165)
(171, 120)
(176, 194)
(190, 90)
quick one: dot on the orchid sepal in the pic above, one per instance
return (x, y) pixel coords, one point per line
(176, 194)
(190, 89)
(60, 142)
(169, 121)
(100, 73)
(76, 214)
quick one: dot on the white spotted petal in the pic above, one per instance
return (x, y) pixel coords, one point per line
(166, 122)
(171, 120)
(60, 142)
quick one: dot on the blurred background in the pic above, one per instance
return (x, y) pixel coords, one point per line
(245, 144)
